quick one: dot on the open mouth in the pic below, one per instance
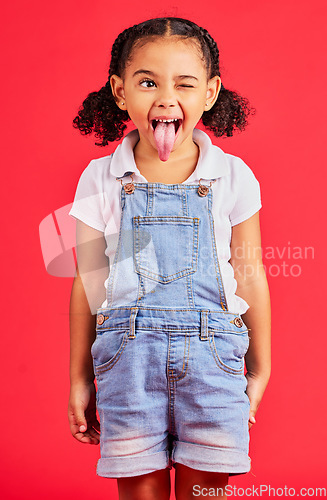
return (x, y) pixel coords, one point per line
(177, 123)
(165, 133)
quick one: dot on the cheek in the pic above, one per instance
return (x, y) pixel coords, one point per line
(136, 109)
(139, 103)
(195, 101)
(194, 109)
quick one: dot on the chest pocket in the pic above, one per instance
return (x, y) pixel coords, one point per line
(165, 247)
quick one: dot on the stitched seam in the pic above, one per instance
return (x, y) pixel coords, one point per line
(188, 221)
(163, 279)
(221, 330)
(110, 328)
(161, 185)
(219, 362)
(213, 250)
(149, 207)
(189, 289)
(184, 203)
(111, 363)
(172, 406)
(171, 395)
(141, 291)
(230, 371)
(135, 254)
(185, 364)
(215, 255)
(170, 329)
(195, 251)
(112, 274)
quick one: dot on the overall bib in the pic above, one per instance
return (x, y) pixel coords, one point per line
(168, 355)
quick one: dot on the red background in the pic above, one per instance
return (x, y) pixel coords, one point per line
(54, 54)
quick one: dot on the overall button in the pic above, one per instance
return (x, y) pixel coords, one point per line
(100, 319)
(203, 190)
(238, 322)
(129, 188)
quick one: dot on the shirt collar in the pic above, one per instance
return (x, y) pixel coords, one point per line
(212, 162)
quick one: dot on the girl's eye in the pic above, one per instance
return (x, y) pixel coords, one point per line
(150, 83)
(147, 81)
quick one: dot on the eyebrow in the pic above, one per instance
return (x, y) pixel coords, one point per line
(147, 72)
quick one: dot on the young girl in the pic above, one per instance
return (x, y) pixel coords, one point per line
(176, 220)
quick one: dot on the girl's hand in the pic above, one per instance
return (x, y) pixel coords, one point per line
(255, 389)
(83, 421)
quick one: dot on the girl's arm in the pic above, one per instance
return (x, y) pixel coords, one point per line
(87, 295)
(252, 286)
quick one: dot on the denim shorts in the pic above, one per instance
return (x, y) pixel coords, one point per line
(171, 388)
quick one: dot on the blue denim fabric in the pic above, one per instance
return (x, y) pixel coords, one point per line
(168, 355)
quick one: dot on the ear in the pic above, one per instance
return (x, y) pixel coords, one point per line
(117, 89)
(213, 90)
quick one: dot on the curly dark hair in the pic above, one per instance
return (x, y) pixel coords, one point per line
(100, 114)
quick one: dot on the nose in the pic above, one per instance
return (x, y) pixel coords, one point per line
(166, 99)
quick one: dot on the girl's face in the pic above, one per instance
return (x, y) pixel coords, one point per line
(165, 79)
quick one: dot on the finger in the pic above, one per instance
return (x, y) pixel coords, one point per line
(86, 438)
(75, 425)
(94, 435)
(79, 419)
(252, 419)
(252, 413)
(91, 435)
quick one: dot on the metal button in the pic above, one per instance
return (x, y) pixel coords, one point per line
(100, 319)
(129, 188)
(203, 190)
(238, 322)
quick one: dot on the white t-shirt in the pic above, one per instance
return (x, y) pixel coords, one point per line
(236, 197)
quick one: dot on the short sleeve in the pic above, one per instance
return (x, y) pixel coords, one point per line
(248, 193)
(89, 199)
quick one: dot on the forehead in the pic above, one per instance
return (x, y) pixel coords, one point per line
(167, 52)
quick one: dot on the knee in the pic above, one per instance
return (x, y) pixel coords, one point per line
(192, 483)
(153, 486)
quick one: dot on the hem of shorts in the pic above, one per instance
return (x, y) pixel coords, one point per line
(115, 467)
(211, 459)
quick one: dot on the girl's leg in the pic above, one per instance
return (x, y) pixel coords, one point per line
(191, 484)
(153, 486)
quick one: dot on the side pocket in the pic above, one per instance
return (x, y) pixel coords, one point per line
(228, 349)
(107, 349)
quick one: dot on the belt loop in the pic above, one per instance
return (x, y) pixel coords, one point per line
(132, 322)
(204, 325)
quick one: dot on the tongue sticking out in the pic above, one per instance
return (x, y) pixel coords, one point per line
(164, 135)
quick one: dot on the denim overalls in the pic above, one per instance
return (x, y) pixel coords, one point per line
(169, 356)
